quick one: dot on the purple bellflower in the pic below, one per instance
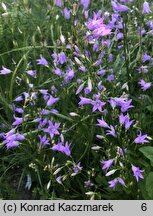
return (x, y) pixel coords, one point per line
(146, 57)
(52, 100)
(137, 173)
(85, 3)
(4, 71)
(43, 141)
(19, 110)
(97, 27)
(106, 164)
(84, 101)
(19, 98)
(61, 58)
(125, 120)
(17, 121)
(113, 183)
(102, 123)
(144, 85)
(59, 3)
(119, 7)
(42, 61)
(97, 104)
(125, 105)
(61, 148)
(146, 8)
(141, 139)
(58, 71)
(69, 75)
(111, 131)
(52, 129)
(11, 139)
(67, 13)
(32, 73)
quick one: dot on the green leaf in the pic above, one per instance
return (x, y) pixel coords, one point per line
(150, 108)
(143, 190)
(148, 152)
(149, 185)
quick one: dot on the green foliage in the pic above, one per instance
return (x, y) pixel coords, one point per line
(148, 152)
(149, 185)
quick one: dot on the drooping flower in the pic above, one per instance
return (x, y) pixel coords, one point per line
(125, 120)
(32, 73)
(19, 110)
(69, 74)
(102, 123)
(106, 164)
(42, 61)
(61, 58)
(146, 57)
(113, 183)
(144, 85)
(85, 3)
(4, 71)
(117, 7)
(122, 102)
(17, 121)
(122, 151)
(67, 13)
(95, 23)
(97, 27)
(110, 77)
(146, 8)
(119, 36)
(58, 71)
(42, 123)
(111, 131)
(58, 147)
(52, 100)
(61, 148)
(128, 123)
(67, 149)
(43, 140)
(122, 118)
(59, 3)
(101, 72)
(141, 139)
(137, 172)
(125, 105)
(101, 31)
(11, 139)
(84, 101)
(19, 98)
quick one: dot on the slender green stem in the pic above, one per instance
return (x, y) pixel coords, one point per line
(29, 48)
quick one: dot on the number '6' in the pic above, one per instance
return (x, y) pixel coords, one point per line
(144, 207)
